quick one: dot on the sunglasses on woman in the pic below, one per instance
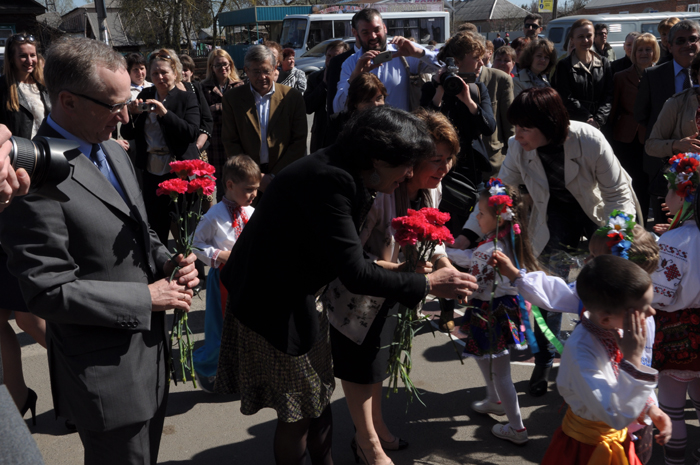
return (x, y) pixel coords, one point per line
(21, 39)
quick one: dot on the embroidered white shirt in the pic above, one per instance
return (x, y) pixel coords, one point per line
(215, 233)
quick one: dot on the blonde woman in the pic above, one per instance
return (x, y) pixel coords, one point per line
(628, 135)
(221, 76)
(167, 130)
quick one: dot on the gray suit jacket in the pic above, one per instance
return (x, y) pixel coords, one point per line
(500, 87)
(84, 265)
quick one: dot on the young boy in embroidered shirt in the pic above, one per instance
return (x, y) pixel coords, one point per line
(216, 233)
(601, 376)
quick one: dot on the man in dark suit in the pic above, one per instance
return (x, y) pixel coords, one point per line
(264, 120)
(93, 268)
(661, 82)
(315, 95)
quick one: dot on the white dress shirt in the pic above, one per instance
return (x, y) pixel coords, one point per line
(392, 74)
(262, 106)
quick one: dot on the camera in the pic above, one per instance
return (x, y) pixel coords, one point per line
(45, 161)
(145, 106)
(450, 79)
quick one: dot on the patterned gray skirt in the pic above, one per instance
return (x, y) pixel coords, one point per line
(297, 387)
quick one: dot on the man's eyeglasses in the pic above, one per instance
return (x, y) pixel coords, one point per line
(532, 26)
(682, 40)
(113, 108)
(21, 39)
(261, 72)
(601, 34)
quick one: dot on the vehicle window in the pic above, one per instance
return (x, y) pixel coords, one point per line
(293, 32)
(317, 51)
(318, 32)
(423, 30)
(617, 32)
(556, 34)
(651, 28)
(342, 28)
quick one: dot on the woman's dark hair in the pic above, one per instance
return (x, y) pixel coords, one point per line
(287, 52)
(338, 44)
(387, 134)
(187, 62)
(460, 45)
(363, 89)
(528, 55)
(541, 108)
(134, 59)
(520, 42)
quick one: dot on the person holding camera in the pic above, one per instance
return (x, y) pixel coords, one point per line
(165, 125)
(455, 93)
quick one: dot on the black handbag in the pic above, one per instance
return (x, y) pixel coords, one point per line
(459, 195)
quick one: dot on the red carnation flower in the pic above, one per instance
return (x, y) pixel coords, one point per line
(188, 168)
(500, 199)
(435, 216)
(202, 186)
(172, 187)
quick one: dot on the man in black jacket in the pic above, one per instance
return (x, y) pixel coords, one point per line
(315, 95)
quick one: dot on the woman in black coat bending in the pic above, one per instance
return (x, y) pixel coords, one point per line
(470, 111)
(275, 347)
(168, 132)
(584, 79)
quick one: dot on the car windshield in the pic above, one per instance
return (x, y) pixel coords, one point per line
(319, 50)
(293, 32)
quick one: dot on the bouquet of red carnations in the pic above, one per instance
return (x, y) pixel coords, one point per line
(194, 181)
(418, 234)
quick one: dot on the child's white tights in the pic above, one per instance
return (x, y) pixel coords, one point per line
(501, 388)
(672, 394)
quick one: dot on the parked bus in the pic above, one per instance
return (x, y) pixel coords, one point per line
(303, 32)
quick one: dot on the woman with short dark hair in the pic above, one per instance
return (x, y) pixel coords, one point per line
(289, 75)
(536, 61)
(584, 79)
(276, 351)
(575, 181)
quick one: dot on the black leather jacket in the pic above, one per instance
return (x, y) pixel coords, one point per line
(20, 122)
(586, 94)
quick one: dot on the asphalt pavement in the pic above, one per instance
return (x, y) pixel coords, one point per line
(202, 428)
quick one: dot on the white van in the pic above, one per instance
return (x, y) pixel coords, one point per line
(619, 25)
(303, 32)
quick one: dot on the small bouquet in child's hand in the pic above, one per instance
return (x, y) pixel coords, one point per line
(418, 234)
(194, 181)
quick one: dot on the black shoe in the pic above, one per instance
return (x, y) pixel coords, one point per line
(447, 315)
(70, 426)
(30, 404)
(396, 444)
(538, 380)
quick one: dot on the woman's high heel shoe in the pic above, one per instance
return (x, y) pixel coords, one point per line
(447, 316)
(30, 404)
(396, 444)
(360, 454)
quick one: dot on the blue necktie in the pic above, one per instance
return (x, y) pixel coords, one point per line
(99, 160)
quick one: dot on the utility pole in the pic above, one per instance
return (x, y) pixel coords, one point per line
(554, 9)
(101, 9)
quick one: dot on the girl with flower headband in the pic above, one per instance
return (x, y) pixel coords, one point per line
(492, 326)
(677, 302)
(621, 237)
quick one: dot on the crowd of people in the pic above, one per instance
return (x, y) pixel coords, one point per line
(532, 154)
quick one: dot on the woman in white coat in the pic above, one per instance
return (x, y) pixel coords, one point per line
(575, 182)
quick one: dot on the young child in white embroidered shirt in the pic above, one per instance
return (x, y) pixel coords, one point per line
(216, 233)
(601, 376)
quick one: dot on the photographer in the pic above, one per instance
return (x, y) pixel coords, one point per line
(167, 129)
(469, 110)
(11, 183)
